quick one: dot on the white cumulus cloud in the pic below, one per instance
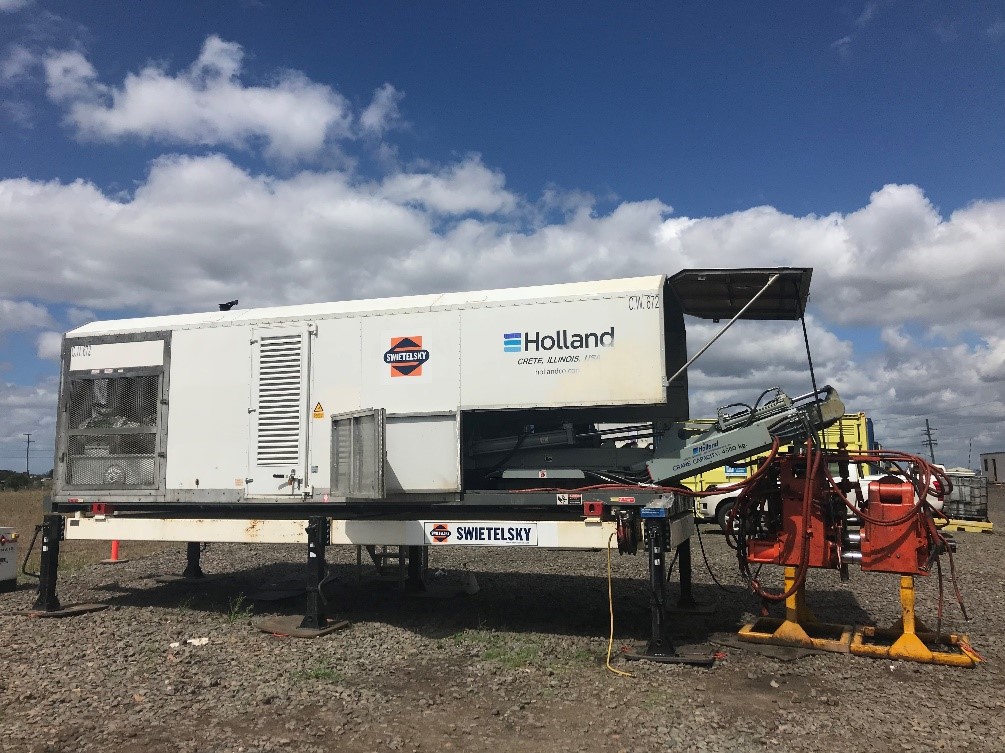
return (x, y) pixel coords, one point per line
(382, 113)
(28, 409)
(206, 104)
(17, 63)
(22, 315)
(465, 187)
(71, 79)
(48, 345)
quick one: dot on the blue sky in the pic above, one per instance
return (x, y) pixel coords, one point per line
(161, 156)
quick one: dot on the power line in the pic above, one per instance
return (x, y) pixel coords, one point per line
(930, 413)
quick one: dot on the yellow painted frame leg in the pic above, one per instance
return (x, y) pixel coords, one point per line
(909, 640)
(799, 628)
(909, 646)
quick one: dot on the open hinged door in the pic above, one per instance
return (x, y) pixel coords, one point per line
(280, 363)
(359, 454)
(767, 293)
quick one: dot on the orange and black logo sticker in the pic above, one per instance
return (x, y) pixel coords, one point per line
(439, 533)
(406, 356)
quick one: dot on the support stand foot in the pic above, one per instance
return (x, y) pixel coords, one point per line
(657, 655)
(47, 604)
(292, 626)
(52, 534)
(660, 648)
(908, 640)
(415, 582)
(71, 611)
(316, 621)
(193, 568)
(799, 628)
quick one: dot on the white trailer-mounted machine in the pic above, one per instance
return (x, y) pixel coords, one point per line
(435, 420)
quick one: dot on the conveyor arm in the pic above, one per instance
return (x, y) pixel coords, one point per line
(746, 432)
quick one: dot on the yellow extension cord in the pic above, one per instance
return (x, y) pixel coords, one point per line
(610, 604)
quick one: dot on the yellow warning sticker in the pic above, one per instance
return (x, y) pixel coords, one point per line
(319, 412)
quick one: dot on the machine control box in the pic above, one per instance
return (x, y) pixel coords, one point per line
(8, 559)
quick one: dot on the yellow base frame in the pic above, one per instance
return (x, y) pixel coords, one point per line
(968, 526)
(909, 640)
(799, 628)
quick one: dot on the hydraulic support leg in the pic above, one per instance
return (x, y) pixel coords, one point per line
(315, 621)
(686, 598)
(47, 604)
(193, 569)
(660, 647)
(317, 538)
(416, 568)
(656, 534)
(52, 532)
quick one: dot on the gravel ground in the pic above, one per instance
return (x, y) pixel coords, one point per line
(517, 666)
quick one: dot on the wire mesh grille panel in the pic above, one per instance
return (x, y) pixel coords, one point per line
(113, 460)
(112, 425)
(358, 454)
(121, 402)
(279, 405)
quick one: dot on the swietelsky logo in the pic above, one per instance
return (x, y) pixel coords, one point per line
(406, 356)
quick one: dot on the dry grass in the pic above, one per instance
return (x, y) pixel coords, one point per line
(22, 511)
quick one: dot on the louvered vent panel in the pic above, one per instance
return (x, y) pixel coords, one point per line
(279, 400)
(359, 454)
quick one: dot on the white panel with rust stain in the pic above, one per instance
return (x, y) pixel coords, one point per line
(124, 355)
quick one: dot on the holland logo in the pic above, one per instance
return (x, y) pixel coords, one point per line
(512, 342)
(439, 533)
(406, 356)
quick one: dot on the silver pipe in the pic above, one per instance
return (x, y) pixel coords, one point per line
(851, 558)
(853, 538)
(722, 331)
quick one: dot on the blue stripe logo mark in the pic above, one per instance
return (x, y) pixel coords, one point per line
(512, 342)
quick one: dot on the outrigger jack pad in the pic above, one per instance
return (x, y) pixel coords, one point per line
(697, 610)
(438, 592)
(280, 591)
(661, 656)
(290, 625)
(781, 653)
(185, 580)
(71, 611)
(277, 593)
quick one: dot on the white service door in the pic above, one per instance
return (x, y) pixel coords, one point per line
(279, 411)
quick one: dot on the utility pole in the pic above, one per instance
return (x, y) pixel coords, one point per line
(930, 441)
(27, 447)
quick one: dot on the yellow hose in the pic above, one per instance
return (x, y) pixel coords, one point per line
(610, 604)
